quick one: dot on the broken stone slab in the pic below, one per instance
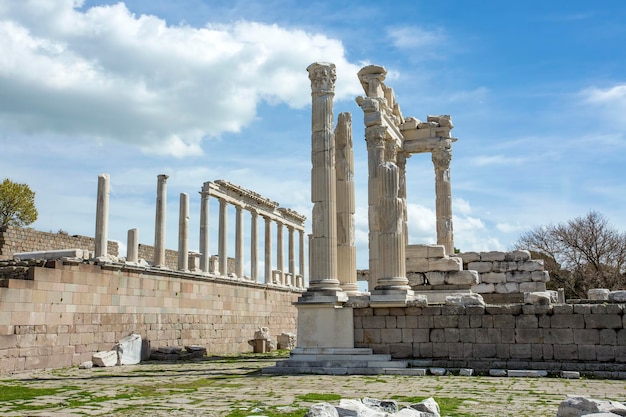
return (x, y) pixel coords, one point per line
(263, 333)
(537, 298)
(528, 373)
(581, 406)
(387, 406)
(462, 278)
(286, 341)
(498, 372)
(570, 374)
(429, 405)
(86, 365)
(437, 371)
(465, 300)
(598, 294)
(617, 296)
(466, 372)
(129, 350)
(51, 254)
(322, 410)
(105, 358)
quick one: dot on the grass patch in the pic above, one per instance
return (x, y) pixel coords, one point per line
(19, 392)
(317, 397)
(271, 412)
(447, 406)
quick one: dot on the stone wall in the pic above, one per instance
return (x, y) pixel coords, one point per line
(61, 314)
(505, 274)
(17, 239)
(589, 338)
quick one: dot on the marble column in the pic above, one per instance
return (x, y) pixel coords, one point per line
(239, 242)
(204, 228)
(323, 276)
(375, 139)
(183, 233)
(159, 227)
(292, 257)
(268, 250)
(392, 264)
(344, 168)
(401, 162)
(132, 246)
(254, 242)
(102, 216)
(223, 238)
(301, 255)
(280, 265)
(441, 157)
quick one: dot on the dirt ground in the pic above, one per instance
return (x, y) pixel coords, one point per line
(234, 387)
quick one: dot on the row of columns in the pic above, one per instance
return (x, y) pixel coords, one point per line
(282, 217)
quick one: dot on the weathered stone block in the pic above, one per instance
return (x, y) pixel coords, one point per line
(480, 267)
(371, 335)
(565, 352)
(559, 336)
(391, 335)
(452, 335)
(605, 353)
(437, 336)
(586, 352)
(608, 337)
(483, 288)
(493, 277)
(508, 288)
(517, 255)
(374, 322)
(520, 351)
(401, 350)
(462, 278)
(526, 322)
(531, 265)
(528, 336)
(540, 276)
(417, 264)
(435, 277)
(603, 321)
(445, 264)
(503, 322)
(568, 321)
(492, 256)
(416, 278)
(445, 321)
(469, 257)
(421, 335)
(518, 276)
(467, 335)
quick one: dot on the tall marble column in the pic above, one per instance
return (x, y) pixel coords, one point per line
(268, 250)
(441, 157)
(292, 257)
(280, 265)
(323, 181)
(375, 139)
(392, 263)
(401, 162)
(183, 233)
(344, 168)
(102, 216)
(254, 242)
(239, 241)
(159, 227)
(223, 238)
(204, 228)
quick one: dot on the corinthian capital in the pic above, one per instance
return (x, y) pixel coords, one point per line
(322, 76)
(442, 155)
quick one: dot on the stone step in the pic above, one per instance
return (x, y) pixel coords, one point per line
(405, 371)
(371, 357)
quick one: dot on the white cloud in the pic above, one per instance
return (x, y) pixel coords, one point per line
(611, 102)
(410, 37)
(487, 160)
(107, 74)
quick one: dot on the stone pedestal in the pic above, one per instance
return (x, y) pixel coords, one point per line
(325, 326)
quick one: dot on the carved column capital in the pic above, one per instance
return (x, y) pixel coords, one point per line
(375, 135)
(322, 76)
(442, 155)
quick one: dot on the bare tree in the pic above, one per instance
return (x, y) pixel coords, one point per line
(583, 253)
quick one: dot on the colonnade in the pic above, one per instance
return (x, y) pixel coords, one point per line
(227, 194)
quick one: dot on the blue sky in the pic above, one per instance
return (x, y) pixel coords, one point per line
(205, 90)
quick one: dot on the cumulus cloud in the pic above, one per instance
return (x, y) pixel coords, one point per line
(411, 37)
(104, 73)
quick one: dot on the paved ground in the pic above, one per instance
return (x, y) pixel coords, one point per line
(234, 386)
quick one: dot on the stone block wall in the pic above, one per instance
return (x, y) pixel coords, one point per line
(589, 338)
(17, 239)
(61, 314)
(506, 272)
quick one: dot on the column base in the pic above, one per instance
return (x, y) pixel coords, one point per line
(327, 297)
(396, 298)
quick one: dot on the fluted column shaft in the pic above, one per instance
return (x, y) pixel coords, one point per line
(375, 139)
(102, 216)
(280, 265)
(401, 162)
(223, 238)
(443, 197)
(323, 180)
(204, 229)
(301, 254)
(183, 233)
(239, 258)
(268, 250)
(254, 251)
(159, 227)
(344, 168)
(292, 255)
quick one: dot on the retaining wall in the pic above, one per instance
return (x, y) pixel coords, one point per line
(589, 338)
(59, 315)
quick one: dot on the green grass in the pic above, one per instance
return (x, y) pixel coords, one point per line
(318, 397)
(447, 406)
(20, 392)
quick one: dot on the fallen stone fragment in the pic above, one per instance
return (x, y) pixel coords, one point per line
(86, 365)
(105, 358)
(465, 300)
(537, 298)
(526, 373)
(129, 350)
(598, 294)
(388, 406)
(617, 296)
(429, 405)
(498, 372)
(466, 372)
(437, 371)
(570, 374)
(581, 406)
(322, 410)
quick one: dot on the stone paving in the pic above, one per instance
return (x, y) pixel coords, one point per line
(235, 387)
